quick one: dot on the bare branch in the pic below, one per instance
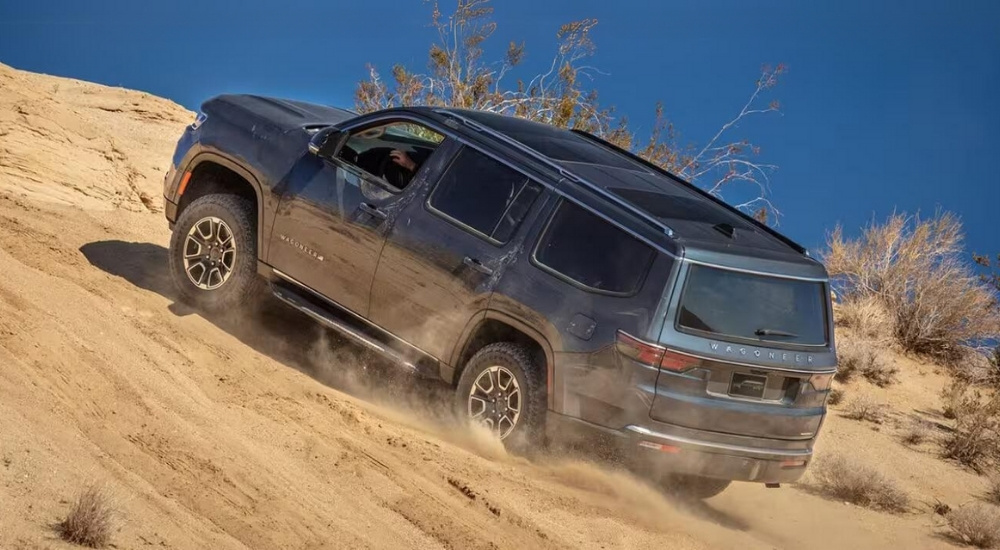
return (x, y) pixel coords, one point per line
(458, 75)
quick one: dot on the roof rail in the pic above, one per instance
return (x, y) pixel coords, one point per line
(794, 245)
(567, 174)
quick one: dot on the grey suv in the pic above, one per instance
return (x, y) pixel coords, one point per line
(567, 289)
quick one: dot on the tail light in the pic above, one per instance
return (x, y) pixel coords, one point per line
(678, 362)
(634, 348)
(670, 449)
(653, 355)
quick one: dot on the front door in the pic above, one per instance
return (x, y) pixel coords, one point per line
(446, 252)
(330, 225)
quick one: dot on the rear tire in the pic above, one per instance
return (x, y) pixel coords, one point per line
(486, 394)
(213, 253)
(693, 487)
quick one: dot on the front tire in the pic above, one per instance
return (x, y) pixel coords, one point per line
(213, 253)
(502, 388)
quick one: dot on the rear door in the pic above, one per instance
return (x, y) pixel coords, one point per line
(748, 354)
(447, 251)
(330, 226)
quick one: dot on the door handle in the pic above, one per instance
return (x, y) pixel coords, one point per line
(477, 265)
(372, 210)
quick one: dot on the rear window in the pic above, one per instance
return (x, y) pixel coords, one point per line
(753, 307)
(586, 249)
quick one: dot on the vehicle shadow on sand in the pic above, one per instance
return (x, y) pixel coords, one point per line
(289, 337)
(275, 330)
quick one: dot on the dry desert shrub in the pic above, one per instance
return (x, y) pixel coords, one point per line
(975, 441)
(866, 358)
(867, 409)
(866, 317)
(89, 522)
(977, 368)
(836, 397)
(917, 432)
(992, 494)
(917, 270)
(953, 398)
(858, 483)
(976, 524)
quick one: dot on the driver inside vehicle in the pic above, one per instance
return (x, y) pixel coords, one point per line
(410, 162)
(392, 153)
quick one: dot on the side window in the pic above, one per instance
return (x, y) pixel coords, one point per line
(586, 249)
(484, 195)
(391, 153)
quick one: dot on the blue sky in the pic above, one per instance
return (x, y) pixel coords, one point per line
(887, 105)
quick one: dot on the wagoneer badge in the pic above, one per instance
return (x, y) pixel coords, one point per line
(301, 247)
(757, 353)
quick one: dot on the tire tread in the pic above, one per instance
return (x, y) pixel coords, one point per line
(243, 285)
(504, 353)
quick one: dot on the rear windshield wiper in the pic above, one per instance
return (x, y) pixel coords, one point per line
(774, 332)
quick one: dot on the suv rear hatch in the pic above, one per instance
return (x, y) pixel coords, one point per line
(747, 354)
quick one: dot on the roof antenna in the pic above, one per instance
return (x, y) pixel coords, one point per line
(725, 229)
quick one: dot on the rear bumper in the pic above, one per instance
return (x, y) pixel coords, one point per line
(659, 453)
(654, 451)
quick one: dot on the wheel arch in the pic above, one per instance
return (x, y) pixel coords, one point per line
(495, 327)
(213, 173)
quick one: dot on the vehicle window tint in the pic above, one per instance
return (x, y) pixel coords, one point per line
(517, 211)
(484, 194)
(753, 307)
(592, 252)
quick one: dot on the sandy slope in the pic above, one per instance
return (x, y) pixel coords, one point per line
(258, 431)
(83, 144)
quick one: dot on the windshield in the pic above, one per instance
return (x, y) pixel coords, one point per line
(753, 307)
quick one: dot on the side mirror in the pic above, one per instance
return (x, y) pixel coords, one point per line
(324, 143)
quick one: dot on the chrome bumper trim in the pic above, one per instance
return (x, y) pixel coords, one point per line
(722, 448)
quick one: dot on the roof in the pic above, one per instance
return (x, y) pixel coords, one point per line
(689, 215)
(692, 216)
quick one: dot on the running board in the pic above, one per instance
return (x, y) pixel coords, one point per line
(297, 301)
